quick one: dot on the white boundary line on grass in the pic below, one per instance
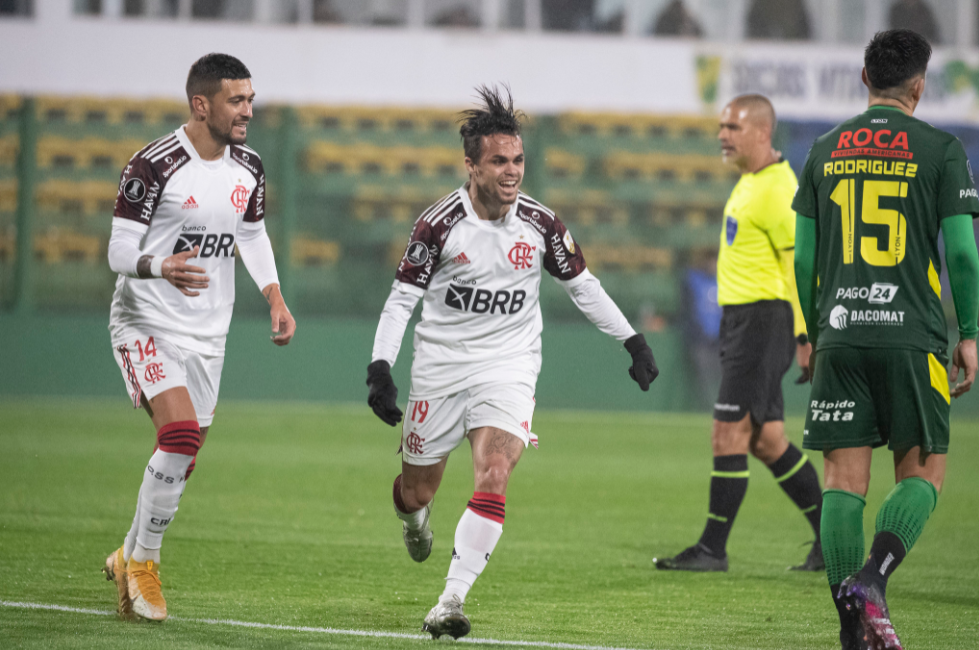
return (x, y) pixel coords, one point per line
(317, 630)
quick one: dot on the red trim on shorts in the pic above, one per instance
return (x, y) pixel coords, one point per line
(180, 438)
(488, 505)
(135, 391)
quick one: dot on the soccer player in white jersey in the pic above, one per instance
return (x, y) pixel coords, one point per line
(195, 194)
(475, 259)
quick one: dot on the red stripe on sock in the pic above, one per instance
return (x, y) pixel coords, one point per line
(193, 464)
(180, 438)
(489, 496)
(489, 506)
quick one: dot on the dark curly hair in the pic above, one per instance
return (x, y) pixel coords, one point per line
(207, 72)
(894, 57)
(497, 115)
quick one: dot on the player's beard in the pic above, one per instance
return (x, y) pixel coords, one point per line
(224, 138)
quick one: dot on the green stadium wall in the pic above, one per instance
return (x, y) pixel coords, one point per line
(69, 356)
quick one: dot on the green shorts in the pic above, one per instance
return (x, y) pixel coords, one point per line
(868, 397)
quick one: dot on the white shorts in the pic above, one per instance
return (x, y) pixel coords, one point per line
(433, 428)
(151, 365)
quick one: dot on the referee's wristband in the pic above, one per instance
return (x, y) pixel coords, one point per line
(802, 339)
(156, 266)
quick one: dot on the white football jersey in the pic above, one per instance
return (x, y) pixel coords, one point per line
(178, 201)
(480, 282)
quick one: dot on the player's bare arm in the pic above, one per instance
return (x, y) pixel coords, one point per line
(283, 324)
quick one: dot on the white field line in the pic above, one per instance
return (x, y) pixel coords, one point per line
(317, 630)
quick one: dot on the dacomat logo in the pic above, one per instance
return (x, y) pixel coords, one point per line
(837, 317)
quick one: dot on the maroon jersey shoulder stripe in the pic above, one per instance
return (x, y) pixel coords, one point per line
(563, 257)
(145, 176)
(250, 160)
(428, 237)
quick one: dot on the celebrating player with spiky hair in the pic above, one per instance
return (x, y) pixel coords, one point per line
(475, 260)
(195, 193)
(873, 197)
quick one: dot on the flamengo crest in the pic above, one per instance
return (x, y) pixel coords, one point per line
(239, 198)
(521, 255)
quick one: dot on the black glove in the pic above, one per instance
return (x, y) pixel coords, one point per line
(643, 370)
(383, 398)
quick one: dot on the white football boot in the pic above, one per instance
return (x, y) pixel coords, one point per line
(447, 618)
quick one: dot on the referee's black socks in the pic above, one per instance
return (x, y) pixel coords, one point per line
(798, 478)
(728, 484)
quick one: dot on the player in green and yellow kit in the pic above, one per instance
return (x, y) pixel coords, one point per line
(761, 330)
(873, 196)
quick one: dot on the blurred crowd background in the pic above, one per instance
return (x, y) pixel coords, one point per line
(634, 172)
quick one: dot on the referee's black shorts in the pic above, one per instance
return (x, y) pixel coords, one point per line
(757, 348)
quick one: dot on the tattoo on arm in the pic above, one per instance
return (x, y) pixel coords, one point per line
(143, 267)
(267, 292)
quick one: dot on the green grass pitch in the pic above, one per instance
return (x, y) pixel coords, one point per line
(288, 520)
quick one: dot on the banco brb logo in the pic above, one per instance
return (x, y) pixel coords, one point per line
(521, 255)
(837, 317)
(239, 198)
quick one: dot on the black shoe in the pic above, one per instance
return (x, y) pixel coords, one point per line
(814, 561)
(695, 558)
(868, 600)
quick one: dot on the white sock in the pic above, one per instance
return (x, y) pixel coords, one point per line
(141, 554)
(476, 537)
(415, 520)
(130, 543)
(163, 483)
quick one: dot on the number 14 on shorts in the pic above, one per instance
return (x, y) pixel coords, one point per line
(149, 350)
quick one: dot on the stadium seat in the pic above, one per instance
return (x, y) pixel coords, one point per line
(9, 105)
(627, 165)
(629, 258)
(85, 197)
(367, 159)
(359, 119)
(8, 246)
(638, 126)
(99, 110)
(306, 251)
(564, 164)
(9, 146)
(587, 207)
(87, 153)
(55, 246)
(8, 196)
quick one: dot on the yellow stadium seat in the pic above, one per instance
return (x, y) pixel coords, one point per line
(307, 251)
(86, 153)
(626, 165)
(8, 196)
(629, 257)
(637, 125)
(86, 197)
(57, 245)
(361, 118)
(9, 146)
(8, 246)
(101, 110)
(563, 164)
(332, 158)
(9, 105)
(587, 207)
